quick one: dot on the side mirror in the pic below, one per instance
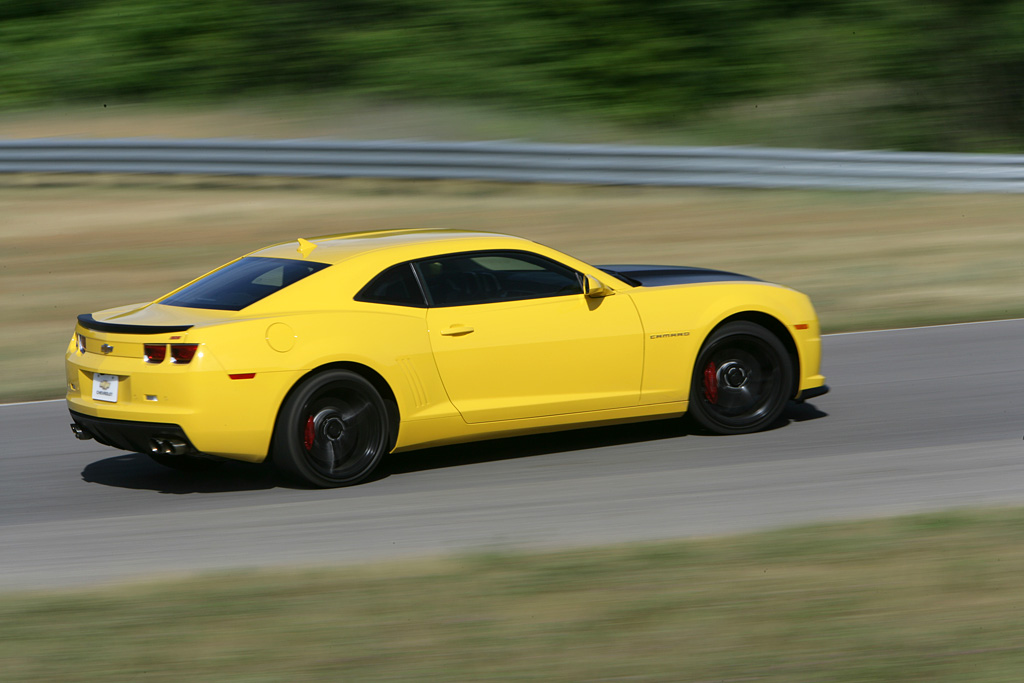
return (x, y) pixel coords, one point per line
(596, 289)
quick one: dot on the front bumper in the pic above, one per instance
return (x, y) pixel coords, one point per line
(814, 392)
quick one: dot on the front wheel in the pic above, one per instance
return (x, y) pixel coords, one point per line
(741, 380)
(332, 431)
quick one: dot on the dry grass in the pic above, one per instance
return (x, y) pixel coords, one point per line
(322, 117)
(926, 598)
(867, 259)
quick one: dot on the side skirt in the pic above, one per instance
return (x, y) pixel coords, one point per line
(449, 430)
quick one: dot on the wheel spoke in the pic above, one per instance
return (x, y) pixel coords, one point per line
(331, 455)
(736, 400)
(355, 414)
(348, 444)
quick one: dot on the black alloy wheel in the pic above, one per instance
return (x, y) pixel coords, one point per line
(741, 380)
(332, 431)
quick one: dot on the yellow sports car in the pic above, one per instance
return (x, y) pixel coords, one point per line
(325, 354)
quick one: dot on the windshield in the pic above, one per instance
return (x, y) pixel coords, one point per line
(243, 283)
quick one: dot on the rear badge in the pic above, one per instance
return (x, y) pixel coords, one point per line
(104, 388)
(106, 348)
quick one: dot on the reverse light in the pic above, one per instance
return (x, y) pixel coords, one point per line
(154, 353)
(183, 353)
(80, 341)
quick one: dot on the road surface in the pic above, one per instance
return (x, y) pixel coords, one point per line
(917, 419)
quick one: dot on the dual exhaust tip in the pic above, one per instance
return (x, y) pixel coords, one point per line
(162, 445)
(80, 433)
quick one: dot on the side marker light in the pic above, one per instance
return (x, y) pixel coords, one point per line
(801, 326)
(243, 375)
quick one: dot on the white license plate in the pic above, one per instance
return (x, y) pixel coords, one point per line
(104, 388)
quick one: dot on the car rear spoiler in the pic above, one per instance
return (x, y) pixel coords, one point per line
(88, 322)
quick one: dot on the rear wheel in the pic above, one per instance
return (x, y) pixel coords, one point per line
(332, 431)
(741, 380)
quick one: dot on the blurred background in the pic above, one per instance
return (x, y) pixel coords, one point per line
(932, 598)
(848, 74)
(945, 75)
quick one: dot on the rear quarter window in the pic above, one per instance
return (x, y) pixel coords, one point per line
(396, 286)
(243, 283)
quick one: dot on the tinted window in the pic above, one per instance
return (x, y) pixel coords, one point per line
(243, 283)
(396, 285)
(484, 277)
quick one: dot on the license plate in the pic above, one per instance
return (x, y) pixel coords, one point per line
(104, 388)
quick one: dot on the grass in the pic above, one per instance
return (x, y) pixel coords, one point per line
(923, 598)
(329, 116)
(842, 117)
(868, 260)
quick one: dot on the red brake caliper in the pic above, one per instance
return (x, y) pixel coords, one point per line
(309, 435)
(711, 383)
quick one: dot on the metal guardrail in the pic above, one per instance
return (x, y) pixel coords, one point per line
(751, 167)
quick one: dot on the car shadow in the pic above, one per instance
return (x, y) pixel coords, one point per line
(564, 442)
(802, 412)
(511, 448)
(139, 471)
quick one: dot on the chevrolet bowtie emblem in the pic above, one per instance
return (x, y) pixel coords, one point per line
(106, 348)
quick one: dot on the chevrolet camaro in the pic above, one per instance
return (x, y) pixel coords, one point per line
(325, 354)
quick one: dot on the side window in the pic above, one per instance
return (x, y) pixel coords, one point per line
(397, 286)
(487, 277)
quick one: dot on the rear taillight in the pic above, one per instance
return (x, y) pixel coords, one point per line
(154, 353)
(80, 340)
(180, 353)
(183, 353)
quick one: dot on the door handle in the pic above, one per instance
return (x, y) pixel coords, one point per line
(456, 330)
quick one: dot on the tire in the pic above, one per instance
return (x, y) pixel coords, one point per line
(332, 431)
(186, 463)
(741, 381)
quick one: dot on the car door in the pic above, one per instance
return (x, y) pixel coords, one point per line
(515, 337)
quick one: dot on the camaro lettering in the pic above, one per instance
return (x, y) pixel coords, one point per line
(670, 334)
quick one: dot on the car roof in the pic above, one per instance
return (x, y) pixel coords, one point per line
(411, 242)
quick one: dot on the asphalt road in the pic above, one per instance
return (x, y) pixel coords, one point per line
(918, 419)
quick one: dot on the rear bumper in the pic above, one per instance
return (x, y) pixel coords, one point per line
(211, 412)
(129, 435)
